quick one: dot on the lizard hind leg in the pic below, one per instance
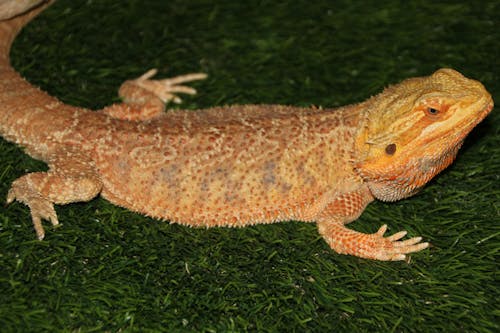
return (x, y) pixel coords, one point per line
(71, 178)
(145, 98)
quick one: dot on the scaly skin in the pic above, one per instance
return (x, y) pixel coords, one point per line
(238, 165)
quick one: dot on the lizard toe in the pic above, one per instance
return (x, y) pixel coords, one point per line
(391, 247)
(166, 89)
(42, 209)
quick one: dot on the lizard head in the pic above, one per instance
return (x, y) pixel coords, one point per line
(413, 130)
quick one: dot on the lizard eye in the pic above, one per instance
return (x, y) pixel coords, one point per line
(432, 111)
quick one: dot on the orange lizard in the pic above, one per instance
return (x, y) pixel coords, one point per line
(237, 165)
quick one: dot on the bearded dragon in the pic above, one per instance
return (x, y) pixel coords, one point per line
(237, 165)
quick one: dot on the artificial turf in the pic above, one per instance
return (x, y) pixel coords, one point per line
(107, 269)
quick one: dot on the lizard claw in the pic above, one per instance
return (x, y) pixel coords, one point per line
(166, 89)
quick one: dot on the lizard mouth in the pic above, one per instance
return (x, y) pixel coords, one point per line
(484, 110)
(487, 108)
(435, 163)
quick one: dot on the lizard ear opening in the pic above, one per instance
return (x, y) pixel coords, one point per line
(390, 149)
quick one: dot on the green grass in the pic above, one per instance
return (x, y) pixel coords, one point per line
(107, 269)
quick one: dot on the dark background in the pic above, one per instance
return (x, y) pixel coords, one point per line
(107, 269)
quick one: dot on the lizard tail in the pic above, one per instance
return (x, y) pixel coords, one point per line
(14, 15)
(20, 102)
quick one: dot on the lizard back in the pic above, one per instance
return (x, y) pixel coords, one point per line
(229, 166)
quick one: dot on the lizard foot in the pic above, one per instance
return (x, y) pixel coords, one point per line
(391, 248)
(371, 246)
(71, 178)
(166, 89)
(40, 207)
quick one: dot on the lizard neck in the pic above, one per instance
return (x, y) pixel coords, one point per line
(335, 133)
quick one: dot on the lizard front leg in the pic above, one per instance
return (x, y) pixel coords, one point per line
(71, 178)
(145, 98)
(346, 208)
